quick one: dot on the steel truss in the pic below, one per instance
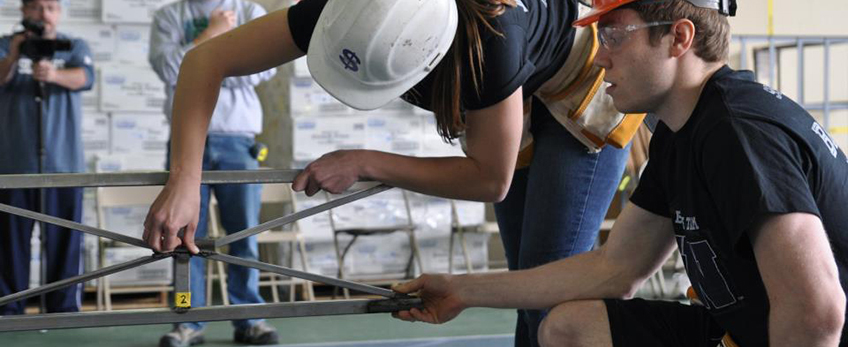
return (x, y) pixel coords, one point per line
(182, 311)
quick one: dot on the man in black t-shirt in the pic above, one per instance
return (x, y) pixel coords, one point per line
(745, 183)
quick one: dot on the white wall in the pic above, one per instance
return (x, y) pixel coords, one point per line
(792, 17)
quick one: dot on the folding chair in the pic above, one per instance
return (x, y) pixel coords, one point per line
(458, 230)
(409, 227)
(111, 197)
(271, 193)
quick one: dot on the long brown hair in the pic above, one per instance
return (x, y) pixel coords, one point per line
(447, 83)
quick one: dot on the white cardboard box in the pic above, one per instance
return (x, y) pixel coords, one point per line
(156, 273)
(377, 256)
(131, 11)
(301, 68)
(394, 133)
(91, 97)
(434, 252)
(139, 133)
(130, 162)
(10, 12)
(95, 137)
(432, 145)
(431, 215)
(133, 45)
(99, 37)
(126, 220)
(82, 11)
(316, 136)
(131, 89)
(308, 98)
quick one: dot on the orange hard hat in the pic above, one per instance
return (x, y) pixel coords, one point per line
(601, 7)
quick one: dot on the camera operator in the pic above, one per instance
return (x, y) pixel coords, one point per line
(59, 77)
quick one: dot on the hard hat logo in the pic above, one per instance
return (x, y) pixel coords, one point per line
(350, 60)
(366, 53)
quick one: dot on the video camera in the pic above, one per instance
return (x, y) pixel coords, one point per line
(38, 48)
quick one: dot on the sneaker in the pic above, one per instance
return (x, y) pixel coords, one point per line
(182, 336)
(258, 334)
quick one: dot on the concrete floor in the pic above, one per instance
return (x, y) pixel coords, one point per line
(475, 327)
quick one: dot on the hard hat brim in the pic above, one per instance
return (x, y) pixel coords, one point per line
(595, 14)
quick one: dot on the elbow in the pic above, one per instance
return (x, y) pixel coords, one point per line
(826, 318)
(818, 318)
(496, 190)
(625, 290)
(625, 282)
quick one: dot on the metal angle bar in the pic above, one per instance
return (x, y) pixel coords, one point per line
(141, 179)
(81, 278)
(182, 282)
(73, 225)
(300, 215)
(236, 312)
(304, 275)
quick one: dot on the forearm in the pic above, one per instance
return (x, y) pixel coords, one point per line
(639, 243)
(194, 102)
(7, 68)
(73, 78)
(584, 276)
(449, 177)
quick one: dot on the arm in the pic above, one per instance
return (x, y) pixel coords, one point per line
(166, 51)
(247, 49)
(493, 137)
(807, 303)
(255, 11)
(72, 78)
(639, 243)
(10, 62)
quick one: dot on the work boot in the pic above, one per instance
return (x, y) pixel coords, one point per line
(182, 336)
(258, 334)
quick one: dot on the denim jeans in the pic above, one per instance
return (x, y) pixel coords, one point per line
(554, 207)
(239, 206)
(63, 247)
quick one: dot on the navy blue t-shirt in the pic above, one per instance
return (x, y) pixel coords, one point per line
(746, 153)
(537, 38)
(62, 116)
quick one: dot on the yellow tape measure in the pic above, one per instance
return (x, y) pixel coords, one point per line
(183, 300)
(838, 130)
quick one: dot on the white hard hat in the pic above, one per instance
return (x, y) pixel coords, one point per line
(366, 53)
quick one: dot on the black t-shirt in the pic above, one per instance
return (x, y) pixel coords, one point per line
(537, 37)
(747, 152)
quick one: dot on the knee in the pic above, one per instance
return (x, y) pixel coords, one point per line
(559, 326)
(565, 324)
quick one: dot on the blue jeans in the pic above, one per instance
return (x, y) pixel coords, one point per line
(554, 207)
(239, 206)
(63, 247)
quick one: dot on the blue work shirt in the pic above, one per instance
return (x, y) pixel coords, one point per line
(62, 115)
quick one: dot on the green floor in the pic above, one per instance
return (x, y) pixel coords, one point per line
(307, 330)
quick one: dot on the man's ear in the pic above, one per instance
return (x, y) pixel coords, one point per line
(683, 36)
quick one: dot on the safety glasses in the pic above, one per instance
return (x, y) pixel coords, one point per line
(612, 37)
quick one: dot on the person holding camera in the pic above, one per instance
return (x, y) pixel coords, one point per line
(230, 145)
(41, 61)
